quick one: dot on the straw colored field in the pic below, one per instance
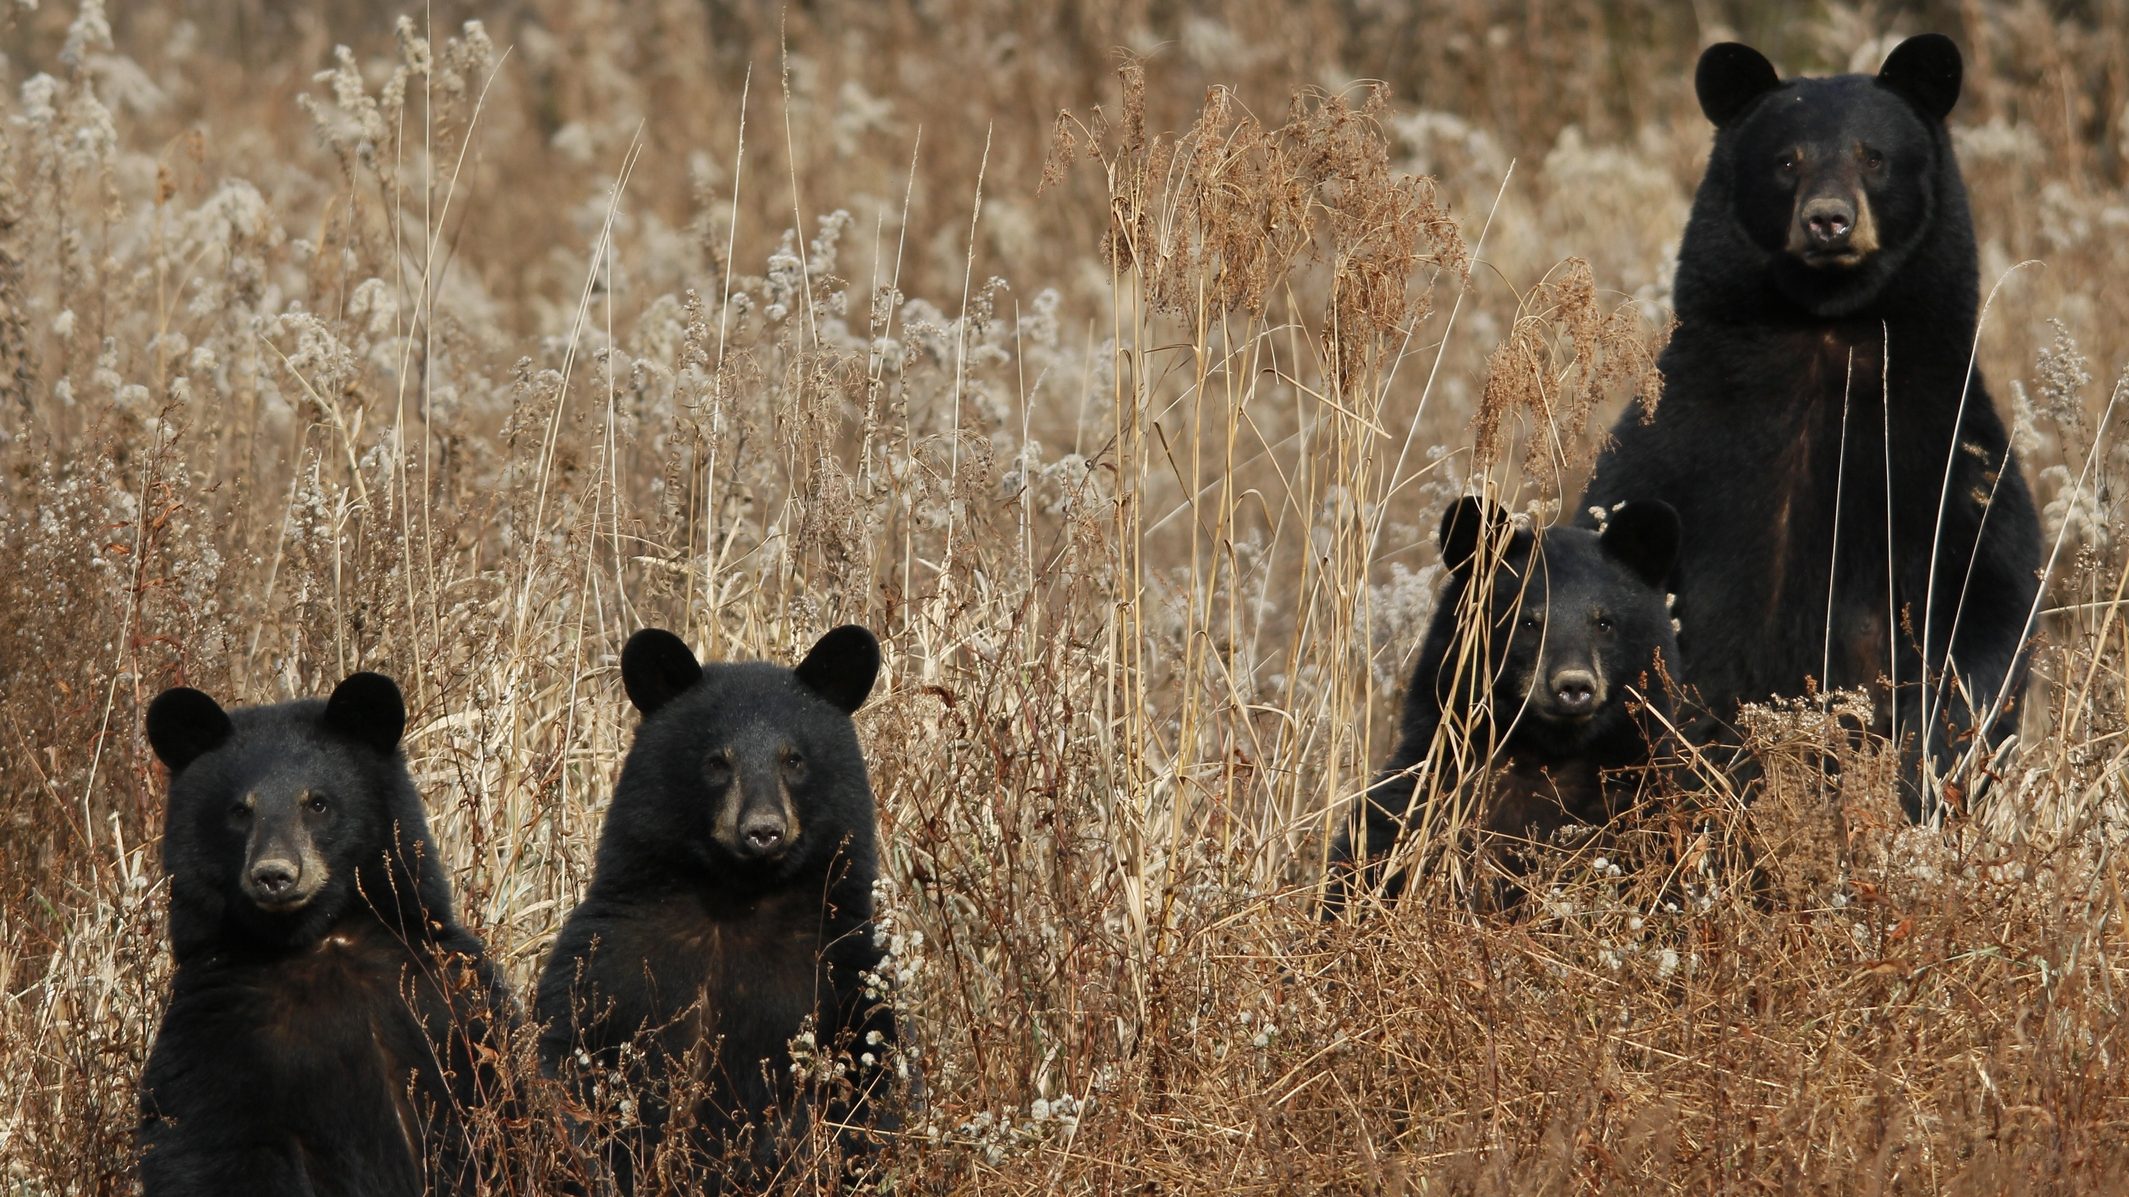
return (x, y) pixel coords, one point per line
(465, 350)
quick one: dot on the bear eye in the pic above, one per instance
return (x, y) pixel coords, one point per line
(794, 765)
(239, 812)
(1604, 623)
(1785, 166)
(1529, 623)
(316, 804)
(717, 770)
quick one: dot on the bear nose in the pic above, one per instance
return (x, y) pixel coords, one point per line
(273, 878)
(1829, 221)
(763, 834)
(1574, 691)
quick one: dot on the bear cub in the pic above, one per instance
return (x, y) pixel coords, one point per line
(731, 903)
(330, 1023)
(1852, 514)
(1539, 690)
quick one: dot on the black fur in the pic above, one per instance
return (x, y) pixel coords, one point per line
(1797, 375)
(326, 1004)
(1533, 615)
(704, 942)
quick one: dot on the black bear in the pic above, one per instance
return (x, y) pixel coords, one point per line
(1541, 691)
(1852, 513)
(731, 902)
(330, 1023)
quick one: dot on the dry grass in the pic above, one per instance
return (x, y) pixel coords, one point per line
(430, 374)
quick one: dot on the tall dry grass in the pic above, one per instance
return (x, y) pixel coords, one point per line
(465, 351)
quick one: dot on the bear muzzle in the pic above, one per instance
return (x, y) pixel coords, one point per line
(279, 884)
(1832, 232)
(1572, 694)
(764, 834)
(758, 821)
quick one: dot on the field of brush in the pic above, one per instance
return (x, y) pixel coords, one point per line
(1114, 363)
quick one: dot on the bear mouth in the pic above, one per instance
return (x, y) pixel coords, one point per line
(1567, 718)
(1831, 260)
(287, 903)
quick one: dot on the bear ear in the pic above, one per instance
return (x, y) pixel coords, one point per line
(1643, 536)
(1731, 75)
(1926, 69)
(841, 666)
(185, 725)
(367, 708)
(656, 668)
(1469, 523)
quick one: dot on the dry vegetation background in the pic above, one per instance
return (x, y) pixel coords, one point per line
(465, 350)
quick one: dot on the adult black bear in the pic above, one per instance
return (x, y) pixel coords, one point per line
(1852, 512)
(330, 1023)
(1541, 688)
(732, 901)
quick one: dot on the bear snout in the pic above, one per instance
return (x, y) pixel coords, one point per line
(763, 834)
(1574, 692)
(1833, 230)
(1827, 222)
(758, 822)
(273, 883)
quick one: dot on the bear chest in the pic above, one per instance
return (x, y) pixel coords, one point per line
(1797, 416)
(1838, 361)
(746, 978)
(347, 1005)
(1535, 799)
(1777, 457)
(328, 1046)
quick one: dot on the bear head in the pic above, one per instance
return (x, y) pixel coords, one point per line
(285, 818)
(745, 772)
(1835, 182)
(1568, 621)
